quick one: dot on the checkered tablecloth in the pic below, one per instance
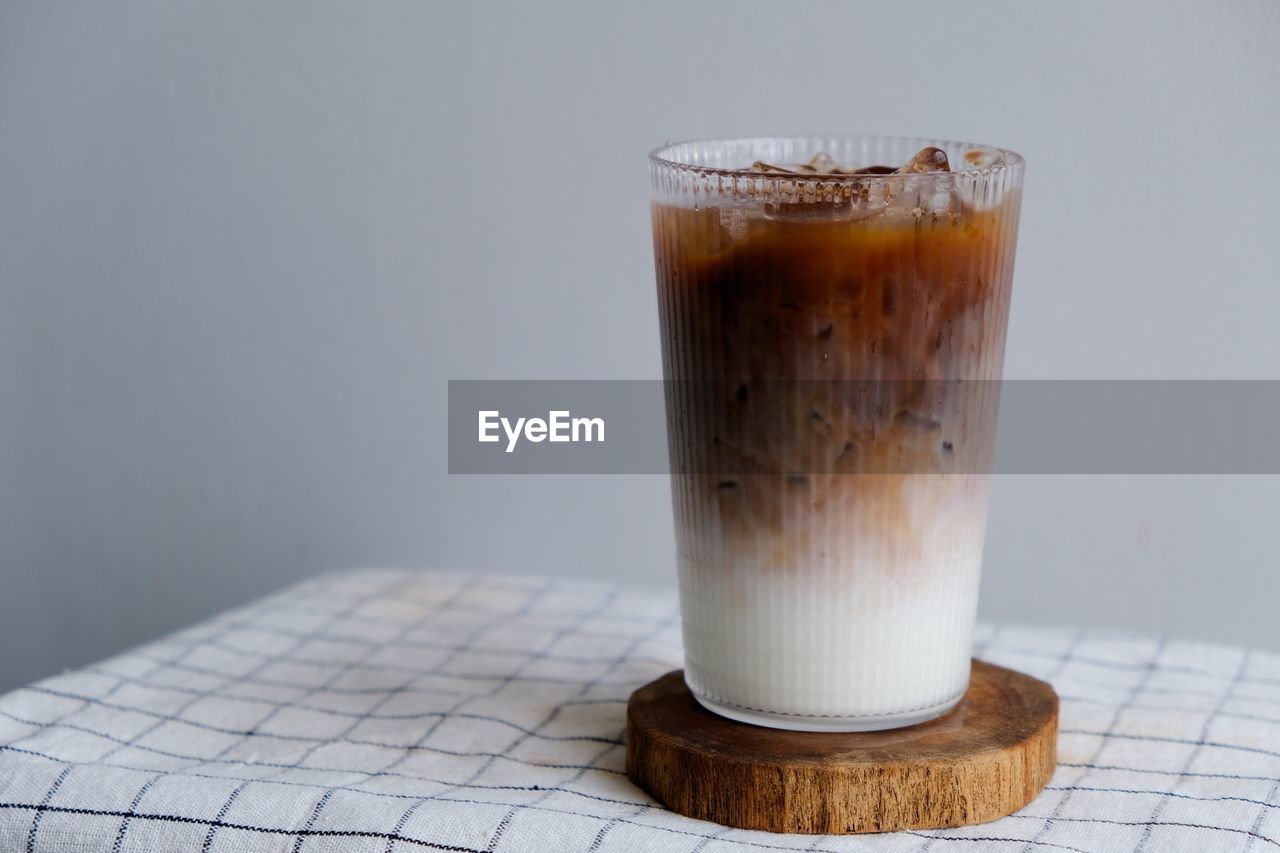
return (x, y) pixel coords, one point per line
(397, 711)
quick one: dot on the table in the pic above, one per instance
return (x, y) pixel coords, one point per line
(398, 711)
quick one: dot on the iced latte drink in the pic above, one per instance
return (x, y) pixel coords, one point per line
(832, 313)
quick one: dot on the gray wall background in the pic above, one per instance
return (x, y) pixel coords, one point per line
(243, 245)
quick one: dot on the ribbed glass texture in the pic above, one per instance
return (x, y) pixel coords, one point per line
(830, 543)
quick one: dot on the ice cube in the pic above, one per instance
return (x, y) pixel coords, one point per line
(821, 163)
(735, 221)
(926, 160)
(762, 167)
(983, 158)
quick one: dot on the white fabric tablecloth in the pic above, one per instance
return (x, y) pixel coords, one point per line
(398, 711)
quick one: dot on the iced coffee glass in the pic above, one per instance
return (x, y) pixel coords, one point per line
(833, 316)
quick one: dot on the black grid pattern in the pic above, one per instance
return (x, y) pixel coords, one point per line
(395, 711)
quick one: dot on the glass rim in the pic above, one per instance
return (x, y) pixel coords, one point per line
(1010, 161)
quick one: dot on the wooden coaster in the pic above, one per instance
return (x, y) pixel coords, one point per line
(988, 757)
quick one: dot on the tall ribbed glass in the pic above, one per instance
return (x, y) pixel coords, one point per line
(829, 462)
